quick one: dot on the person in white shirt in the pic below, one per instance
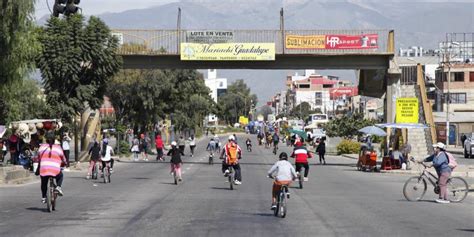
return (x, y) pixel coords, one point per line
(283, 173)
(107, 157)
(192, 144)
(66, 147)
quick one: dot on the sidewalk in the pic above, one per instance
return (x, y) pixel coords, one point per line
(455, 150)
(461, 170)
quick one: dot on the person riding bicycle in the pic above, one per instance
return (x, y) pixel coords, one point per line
(94, 152)
(248, 142)
(211, 146)
(283, 173)
(301, 155)
(218, 143)
(276, 140)
(105, 143)
(440, 163)
(107, 157)
(176, 162)
(231, 155)
(50, 160)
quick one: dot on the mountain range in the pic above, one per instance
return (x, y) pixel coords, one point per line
(420, 23)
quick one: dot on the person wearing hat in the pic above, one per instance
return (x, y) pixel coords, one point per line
(283, 173)
(440, 163)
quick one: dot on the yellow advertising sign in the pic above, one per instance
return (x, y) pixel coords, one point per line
(243, 120)
(305, 41)
(407, 110)
(228, 52)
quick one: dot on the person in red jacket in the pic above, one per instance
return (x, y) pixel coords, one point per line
(159, 147)
(301, 155)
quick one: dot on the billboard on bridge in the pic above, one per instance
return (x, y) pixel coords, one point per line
(228, 52)
(305, 42)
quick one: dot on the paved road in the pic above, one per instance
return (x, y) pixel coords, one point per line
(142, 201)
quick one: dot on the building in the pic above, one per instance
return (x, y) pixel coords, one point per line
(454, 82)
(218, 86)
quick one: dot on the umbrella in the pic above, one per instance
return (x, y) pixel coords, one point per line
(300, 133)
(373, 131)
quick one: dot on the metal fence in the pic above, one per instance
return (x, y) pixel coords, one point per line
(167, 42)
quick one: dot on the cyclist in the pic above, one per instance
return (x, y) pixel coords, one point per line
(440, 162)
(107, 158)
(94, 152)
(218, 143)
(301, 155)
(248, 142)
(103, 152)
(51, 159)
(175, 161)
(283, 173)
(276, 140)
(231, 155)
(211, 147)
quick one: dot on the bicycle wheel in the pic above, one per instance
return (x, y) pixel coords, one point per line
(53, 200)
(106, 174)
(175, 178)
(282, 206)
(49, 196)
(414, 188)
(300, 180)
(231, 179)
(457, 189)
(95, 171)
(275, 212)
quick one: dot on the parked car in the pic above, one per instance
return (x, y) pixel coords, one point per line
(469, 147)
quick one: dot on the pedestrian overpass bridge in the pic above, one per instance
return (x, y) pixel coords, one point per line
(369, 51)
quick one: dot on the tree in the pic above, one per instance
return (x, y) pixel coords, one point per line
(142, 97)
(302, 111)
(237, 101)
(76, 62)
(347, 126)
(18, 43)
(22, 99)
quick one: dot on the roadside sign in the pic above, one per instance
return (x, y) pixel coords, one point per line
(407, 110)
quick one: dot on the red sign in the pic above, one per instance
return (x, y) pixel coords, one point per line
(341, 91)
(368, 41)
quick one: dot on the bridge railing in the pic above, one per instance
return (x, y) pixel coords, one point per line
(167, 42)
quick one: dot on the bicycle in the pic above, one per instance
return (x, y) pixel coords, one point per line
(211, 158)
(95, 170)
(300, 179)
(249, 148)
(231, 177)
(457, 186)
(107, 172)
(275, 149)
(282, 199)
(51, 195)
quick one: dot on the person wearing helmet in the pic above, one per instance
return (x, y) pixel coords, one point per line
(50, 160)
(218, 143)
(107, 157)
(283, 173)
(211, 146)
(301, 155)
(176, 162)
(231, 155)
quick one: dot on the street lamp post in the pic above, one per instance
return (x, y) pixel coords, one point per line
(448, 97)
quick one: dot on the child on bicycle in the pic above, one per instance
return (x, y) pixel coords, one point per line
(107, 158)
(94, 152)
(248, 142)
(283, 173)
(175, 161)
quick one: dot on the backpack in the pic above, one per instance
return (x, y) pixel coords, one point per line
(451, 161)
(232, 153)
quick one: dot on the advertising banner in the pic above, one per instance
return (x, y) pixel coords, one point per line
(343, 91)
(407, 110)
(228, 52)
(209, 36)
(368, 41)
(305, 41)
(243, 120)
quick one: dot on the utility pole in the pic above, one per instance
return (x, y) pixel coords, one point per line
(179, 30)
(448, 99)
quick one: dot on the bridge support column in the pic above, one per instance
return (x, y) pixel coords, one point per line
(393, 91)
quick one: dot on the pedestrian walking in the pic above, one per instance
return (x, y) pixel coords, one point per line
(463, 139)
(144, 141)
(159, 146)
(66, 147)
(321, 150)
(135, 149)
(192, 144)
(181, 144)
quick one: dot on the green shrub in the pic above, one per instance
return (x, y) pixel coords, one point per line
(124, 148)
(348, 147)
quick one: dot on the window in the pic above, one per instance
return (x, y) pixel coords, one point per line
(458, 76)
(304, 86)
(221, 84)
(471, 76)
(327, 85)
(457, 98)
(318, 98)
